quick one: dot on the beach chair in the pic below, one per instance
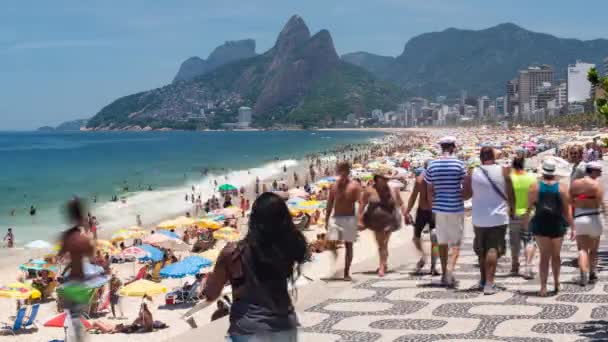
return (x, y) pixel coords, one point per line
(31, 319)
(17, 324)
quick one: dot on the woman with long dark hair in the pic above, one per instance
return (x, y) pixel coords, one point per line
(552, 216)
(258, 268)
(380, 211)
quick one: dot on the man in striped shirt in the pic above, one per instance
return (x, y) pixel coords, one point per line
(444, 178)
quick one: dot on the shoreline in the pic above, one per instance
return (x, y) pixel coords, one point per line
(19, 254)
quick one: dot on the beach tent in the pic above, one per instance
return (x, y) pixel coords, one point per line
(153, 253)
(189, 266)
(142, 288)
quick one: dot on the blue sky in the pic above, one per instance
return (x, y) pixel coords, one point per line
(62, 60)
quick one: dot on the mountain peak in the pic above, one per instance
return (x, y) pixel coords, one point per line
(228, 52)
(507, 27)
(294, 33)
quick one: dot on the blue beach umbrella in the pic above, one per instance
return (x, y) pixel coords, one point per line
(169, 234)
(38, 265)
(188, 266)
(154, 254)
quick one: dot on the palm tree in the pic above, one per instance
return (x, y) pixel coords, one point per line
(601, 91)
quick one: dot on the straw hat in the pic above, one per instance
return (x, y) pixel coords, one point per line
(549, 167)
(384, 173)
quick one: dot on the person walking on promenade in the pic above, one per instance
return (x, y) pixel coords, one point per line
(587, 198)
(518, 232)
(551, 217)
(258, 268)
(379, 211)
(343, 225)
(424, 217)
(444, 178)
(492, 195)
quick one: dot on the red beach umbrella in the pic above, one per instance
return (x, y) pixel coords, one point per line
(59, 321)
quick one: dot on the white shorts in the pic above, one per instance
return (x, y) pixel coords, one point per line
(342, 228)
(589, 222)
(449, 228)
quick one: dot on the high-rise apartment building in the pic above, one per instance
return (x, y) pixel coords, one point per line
(500, 105)
(530, 79)
(482, 106)
(579, 88)
(561, 94)
(512, 96)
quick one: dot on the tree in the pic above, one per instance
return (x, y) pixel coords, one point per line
(601, 91)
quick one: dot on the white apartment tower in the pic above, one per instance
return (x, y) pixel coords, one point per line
(579, 88)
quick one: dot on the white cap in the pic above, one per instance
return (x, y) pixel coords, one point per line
(549, 167)
(594, 165)
(447, 140)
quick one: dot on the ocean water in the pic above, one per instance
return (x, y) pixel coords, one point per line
(47, 169)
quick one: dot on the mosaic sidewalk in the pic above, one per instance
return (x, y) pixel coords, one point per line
(404, 307)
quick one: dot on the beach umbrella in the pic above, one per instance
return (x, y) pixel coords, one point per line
(229, 212)
(211, 254)
(169, 224)
(106, 246)
(19, 291)
(296, 192)
(124, 234)
(227, 234)
(153, 253)
(227, 188)
(169, 234)
(156, 238)
(39, 244)
(134, 252)
(142, 288)
(208, 223)
(175, 244)
(189, 266)
(310, 205)
(59, 321)
(295, 201)
(183, 221)
(38, 265)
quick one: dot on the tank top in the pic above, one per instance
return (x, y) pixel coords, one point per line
(548, 219)
(521, 187)
(261, 306)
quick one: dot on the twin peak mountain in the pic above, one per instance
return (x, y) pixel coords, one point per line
(300, 80)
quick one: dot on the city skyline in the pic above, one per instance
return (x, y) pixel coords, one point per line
(66, 60)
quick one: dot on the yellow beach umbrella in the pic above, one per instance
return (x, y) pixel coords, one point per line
(211, 254)
(183, 221)
(208, 223)
(142, 288)
(123, 234)
(106, 246)
(169, 224)
(227, 234)
(19, 291)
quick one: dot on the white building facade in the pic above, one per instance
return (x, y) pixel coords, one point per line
(579, 88)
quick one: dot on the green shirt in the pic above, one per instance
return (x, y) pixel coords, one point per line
(521, 187)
